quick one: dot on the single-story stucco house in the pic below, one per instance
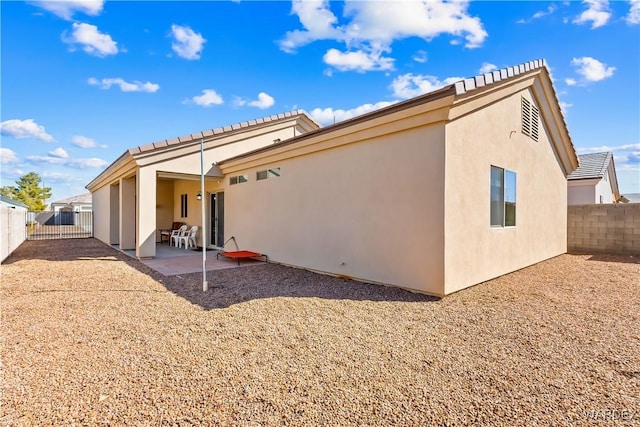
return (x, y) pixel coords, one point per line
(79, 203)
(594, 181)
(433, 194)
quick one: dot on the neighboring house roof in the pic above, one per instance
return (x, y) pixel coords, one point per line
(206, 135)
(595, 166)
(12, 202)
(591, 166)
(461, 92)
(82, 198)
(632, 197)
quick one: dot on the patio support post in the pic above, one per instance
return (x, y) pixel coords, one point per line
(127, 216)
(205, 286)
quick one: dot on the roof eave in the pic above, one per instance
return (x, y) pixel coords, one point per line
(613, 178)
(111, 170)
(400, 106)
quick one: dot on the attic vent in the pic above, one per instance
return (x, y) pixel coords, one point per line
(530, 119)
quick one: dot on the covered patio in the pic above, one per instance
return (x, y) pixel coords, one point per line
(172, 261)
(151, 186)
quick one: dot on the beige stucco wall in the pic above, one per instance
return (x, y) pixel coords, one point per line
(114, 217)
(164, 205)
(474, 251)
(188, 163)
(138, 214)
(371, 210)
(187, 160)
(194, 206)
(127, 215)
(101, 201)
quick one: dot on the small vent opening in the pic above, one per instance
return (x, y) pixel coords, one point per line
(530, 119)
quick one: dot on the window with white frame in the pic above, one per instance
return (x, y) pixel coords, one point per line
(503, 197)
(530, 119)
(238, 179)
(269, 173)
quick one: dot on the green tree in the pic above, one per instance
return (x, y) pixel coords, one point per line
(29, 192)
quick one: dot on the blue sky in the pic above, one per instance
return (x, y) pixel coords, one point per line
(82, 81)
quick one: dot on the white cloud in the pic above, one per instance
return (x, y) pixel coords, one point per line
(410, 85)
(125, 86)
(24, 129)
(570, 82)
(564, 106)
(611, 148)
(92, 41)
(373, 26)
(326, 116)
(9, 172)
(552, 8)
(360, 61)
(187, 43)
(8, 156)
(58, 176)
(628, 161)
(65, 9)
(420, 56)
(388, 21)
(264, 101)
(46, 159)
(92, 162)
(84, 142)
(487, 67)
(318, 22)
(59, 153)
(208, 98)
(633, 157)
(633, 17)
(591, 69)
(597, 13)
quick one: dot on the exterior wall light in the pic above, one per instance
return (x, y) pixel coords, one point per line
(199, 196)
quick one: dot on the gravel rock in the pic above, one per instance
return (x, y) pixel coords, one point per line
(90, 336)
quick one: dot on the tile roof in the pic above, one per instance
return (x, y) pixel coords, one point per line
(207, 134)
(467, 85)
(82, 198)
(460, 87)
(592, 165)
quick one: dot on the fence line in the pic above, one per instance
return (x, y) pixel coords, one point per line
(612, 228)
(12, 230)
(59, 225)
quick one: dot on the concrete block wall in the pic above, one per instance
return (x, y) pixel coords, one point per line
(611, 228)
(12, 229)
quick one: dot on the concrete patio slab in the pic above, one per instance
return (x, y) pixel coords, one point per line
(172, 261)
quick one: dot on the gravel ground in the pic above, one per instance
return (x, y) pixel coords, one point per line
(90, 336)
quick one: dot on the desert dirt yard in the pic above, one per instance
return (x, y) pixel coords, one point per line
(90, 336)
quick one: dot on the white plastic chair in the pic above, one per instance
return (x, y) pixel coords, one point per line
(189, 238)
(174, 240)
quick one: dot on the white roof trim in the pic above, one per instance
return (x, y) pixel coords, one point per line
(467, 85)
